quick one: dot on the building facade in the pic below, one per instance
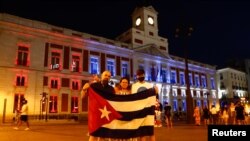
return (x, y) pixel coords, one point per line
(48, 65)
(232, 84)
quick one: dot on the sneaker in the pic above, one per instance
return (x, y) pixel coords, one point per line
(27, 129)
(16, 128)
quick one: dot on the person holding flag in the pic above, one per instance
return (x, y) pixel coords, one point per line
(139, 86)
(104, 87)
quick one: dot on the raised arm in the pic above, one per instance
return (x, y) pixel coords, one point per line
(84, 89)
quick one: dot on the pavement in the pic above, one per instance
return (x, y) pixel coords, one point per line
(70, 130)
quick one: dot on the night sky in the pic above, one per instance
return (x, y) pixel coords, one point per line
(221, 27)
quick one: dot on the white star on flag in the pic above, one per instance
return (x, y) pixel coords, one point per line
(105, 113)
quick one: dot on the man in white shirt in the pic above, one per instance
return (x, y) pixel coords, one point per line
(142, 85)
(24, 116)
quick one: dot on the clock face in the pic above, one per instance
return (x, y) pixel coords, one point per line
(138, 21)
(150, 20)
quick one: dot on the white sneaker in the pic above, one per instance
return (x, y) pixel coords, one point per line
(16, 128)
(27, 129)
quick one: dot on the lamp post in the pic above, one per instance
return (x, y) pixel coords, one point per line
(44, 106)
(184, 32)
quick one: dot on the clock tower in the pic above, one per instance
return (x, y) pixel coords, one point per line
(144, 32)
(145, 19)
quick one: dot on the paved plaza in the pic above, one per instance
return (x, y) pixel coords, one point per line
(73, 131)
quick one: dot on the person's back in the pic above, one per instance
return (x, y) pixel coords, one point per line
(240, 117)
(24, 110)
(206, 115)
(167, 110)
(167, 114)
(213, 112)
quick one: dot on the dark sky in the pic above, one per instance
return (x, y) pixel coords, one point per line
(221, 27)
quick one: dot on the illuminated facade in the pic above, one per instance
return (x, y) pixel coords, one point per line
(232, 83)
(48, 65)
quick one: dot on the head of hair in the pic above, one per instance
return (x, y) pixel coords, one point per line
(140, 72)
(125, 78)
(105, 73)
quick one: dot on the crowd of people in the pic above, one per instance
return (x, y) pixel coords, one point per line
(233, 114)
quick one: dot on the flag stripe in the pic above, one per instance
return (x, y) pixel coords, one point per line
(123, 133)
(126, 98)
(136, 105)
(133, 124)
(127, 116)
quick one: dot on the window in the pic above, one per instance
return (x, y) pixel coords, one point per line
(74, 104)
(53, 104)
(190, 79)
(94, 65)
(75, 66)
(175, 103)
(198, 103)
(203, 81)
(212, 83)
(182, 78)
(17, 102)
(124, 69)
(20, 81)
(111, 66)
(192, 93)
(75, 85)
(174, 92)
(222, 86)
(54, 83)
(221, 76)
(198, 94)
(153, 73)
(184, 107)
(22, 57)
(55, 61)
(197, 81)
(164, 75)
(213, 95)
(173, 77)
(183, 93)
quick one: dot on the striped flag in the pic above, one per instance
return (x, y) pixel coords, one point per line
(121, 116)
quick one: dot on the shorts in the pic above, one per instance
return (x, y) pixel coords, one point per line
(24, 118)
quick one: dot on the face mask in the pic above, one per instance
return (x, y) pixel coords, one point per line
(141, 79)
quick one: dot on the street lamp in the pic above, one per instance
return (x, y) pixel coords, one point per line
(184, 32)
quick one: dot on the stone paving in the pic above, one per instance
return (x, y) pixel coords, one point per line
(74, 131)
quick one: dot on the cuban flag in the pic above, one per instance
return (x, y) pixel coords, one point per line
(121, 116)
